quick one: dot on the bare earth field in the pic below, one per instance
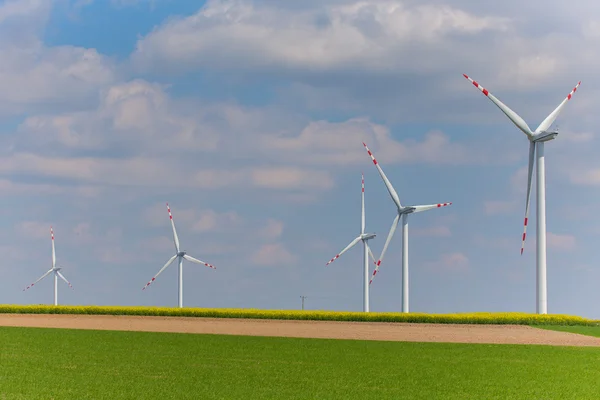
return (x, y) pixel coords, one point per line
(459, 333)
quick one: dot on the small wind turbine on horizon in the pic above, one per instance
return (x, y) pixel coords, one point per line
(181, 255)
(54, 269)
(536, 139)
(403, 211)
(365, 237)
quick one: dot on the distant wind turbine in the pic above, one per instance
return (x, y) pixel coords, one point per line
(54, 269)
(403, 211)
(536, 139)
(180, 254)
(365, 237)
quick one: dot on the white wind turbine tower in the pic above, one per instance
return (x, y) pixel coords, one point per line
(403, 211)
(537, 139)
(365, 237)
(180, 254)
(54, 269)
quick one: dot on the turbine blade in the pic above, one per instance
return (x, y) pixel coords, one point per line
(362, 204)
(430, 207)
(513, 116)
(371, 254)
(385, 246)
(39, 279)
(64, 279)
(388, 185)
(550, 118)
(529, 181)
(352, 243)
(175, 237)
(195, 260)
(53, 250)
(161, 270)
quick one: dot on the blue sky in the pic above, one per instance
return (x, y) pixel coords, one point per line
(248, 117)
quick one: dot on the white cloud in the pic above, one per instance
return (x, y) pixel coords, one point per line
(389, 59)
(272, 229)
(11, 188)
(290, 178)
(211, 221)
(589, 177)
(101, 243)
(453, 262)
(155, 172)
(214, 224)
(554, 242)
(23, 9)
(499, 207)
(274, 254)
(501, 243)
(439, 231)
(578, 137)
(34, 229)
(560, 242)
(37, 75)
(340, 143)
(196, 219)
(591, 29)
(135, 116)
(361, 34)
(518, 180)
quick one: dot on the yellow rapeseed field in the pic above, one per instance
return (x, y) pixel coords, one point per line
(460, 318)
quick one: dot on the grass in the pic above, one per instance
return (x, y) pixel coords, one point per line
(459, 318)
(37, 363)
(582, 330)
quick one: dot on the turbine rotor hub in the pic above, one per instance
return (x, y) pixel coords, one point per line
(406, 210)
(544, 136)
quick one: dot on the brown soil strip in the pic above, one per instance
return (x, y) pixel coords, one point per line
(454, 333)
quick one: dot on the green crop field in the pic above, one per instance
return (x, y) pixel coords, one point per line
(40, 363)
(582, 330)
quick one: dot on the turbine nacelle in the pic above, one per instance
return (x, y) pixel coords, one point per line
(181, 253)
(406, 210)
(544, 136)
(57, 268)
(367, 236)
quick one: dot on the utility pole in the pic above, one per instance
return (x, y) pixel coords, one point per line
(303, 297)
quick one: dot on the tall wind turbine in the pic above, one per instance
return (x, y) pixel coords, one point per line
(56, 271)
(536, 139)
(403, 211)
(180, 254)
(365, 237)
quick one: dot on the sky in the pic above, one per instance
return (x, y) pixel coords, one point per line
(248, 117)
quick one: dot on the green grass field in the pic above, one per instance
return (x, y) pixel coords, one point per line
(582, 330)
(40, 363)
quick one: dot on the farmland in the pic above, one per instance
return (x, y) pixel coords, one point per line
(458, 318)
(152, 353)
(64, 363)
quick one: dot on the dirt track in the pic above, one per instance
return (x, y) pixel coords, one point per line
(501, 334)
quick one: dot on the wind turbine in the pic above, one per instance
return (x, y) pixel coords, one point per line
(403, 211)
(365, 237)
(180, 254)
(536, 139)
(56, 271)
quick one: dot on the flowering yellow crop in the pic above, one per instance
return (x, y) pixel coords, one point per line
(461, 318)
